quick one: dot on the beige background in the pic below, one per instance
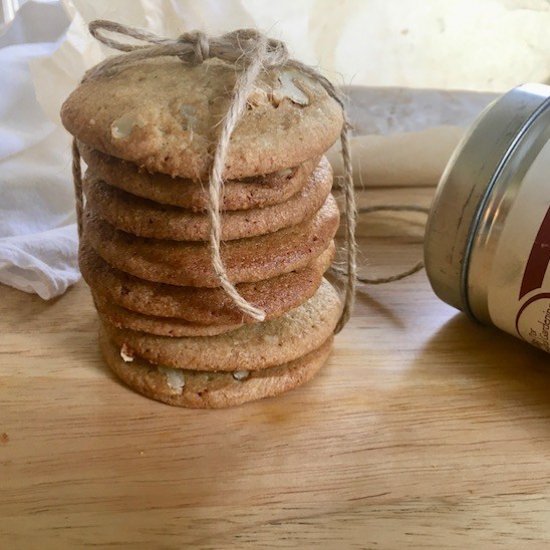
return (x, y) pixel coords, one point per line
(489, 45)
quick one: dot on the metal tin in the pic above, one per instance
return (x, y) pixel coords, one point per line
(493, 186)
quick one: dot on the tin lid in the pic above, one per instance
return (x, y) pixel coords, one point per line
(466, 182)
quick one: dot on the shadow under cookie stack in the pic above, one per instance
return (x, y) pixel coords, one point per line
(167, 329)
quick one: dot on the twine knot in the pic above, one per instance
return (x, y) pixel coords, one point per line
(253, 52)
(240, 47)
(200, 43)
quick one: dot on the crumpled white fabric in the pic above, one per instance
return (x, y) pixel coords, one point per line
(38, 237)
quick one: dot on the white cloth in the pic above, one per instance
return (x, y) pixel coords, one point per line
(38, 238)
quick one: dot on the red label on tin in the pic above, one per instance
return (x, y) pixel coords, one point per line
(539, 258)
(519, 279)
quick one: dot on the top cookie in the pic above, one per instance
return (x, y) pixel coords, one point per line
(165, 116)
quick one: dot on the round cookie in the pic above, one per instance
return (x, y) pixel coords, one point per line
(145, 218)
(274, 296)
(161, 326)
(251, 347)
(164, 115)
(200, 390)
(255, 192)
(189, 263)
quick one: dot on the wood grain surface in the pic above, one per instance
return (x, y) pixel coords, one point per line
(423, 431)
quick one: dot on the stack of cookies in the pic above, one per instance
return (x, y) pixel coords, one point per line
(147, 132)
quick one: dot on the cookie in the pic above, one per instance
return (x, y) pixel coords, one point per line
(145, 218)
(275, 296)
(255, 192)
(189, 263)
(161, 326)
(165, 115)
(251, 347)
(201, 390)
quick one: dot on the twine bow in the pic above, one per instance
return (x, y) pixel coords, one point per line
(252, 52)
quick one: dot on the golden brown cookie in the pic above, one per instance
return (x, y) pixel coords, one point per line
(145, 218)
(161, 326)
(189, 263)
(255, 192)
(275, 296)
(251, 347)
(202, 390)
(165, 115)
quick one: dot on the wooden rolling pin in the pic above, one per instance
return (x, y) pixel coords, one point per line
(400, 160)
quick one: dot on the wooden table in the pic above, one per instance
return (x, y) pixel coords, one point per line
(423, 431)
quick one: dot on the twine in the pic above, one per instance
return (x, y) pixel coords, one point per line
(418, 266)
(252, 52)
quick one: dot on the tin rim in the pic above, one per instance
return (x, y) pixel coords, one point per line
(524, 151)
(466, 185)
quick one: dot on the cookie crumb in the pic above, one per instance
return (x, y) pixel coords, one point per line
(288, 89)
(126, 353)
(287, 172)
(123, 126)
(174, 378)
